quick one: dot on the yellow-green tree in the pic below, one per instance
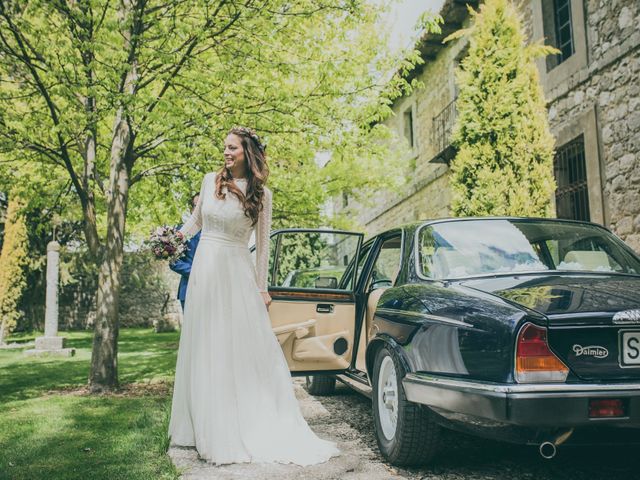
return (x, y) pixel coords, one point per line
(504, 164)
(129, 102)
(13, 259)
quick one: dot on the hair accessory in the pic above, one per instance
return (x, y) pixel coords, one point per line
(254, 136)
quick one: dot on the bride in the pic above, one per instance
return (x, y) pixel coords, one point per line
(233, 398)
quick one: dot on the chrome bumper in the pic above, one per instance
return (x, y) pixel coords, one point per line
(539, 405)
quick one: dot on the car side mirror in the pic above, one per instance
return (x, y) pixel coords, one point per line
(326, 282)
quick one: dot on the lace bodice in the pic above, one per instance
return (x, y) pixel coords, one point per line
(225, 218)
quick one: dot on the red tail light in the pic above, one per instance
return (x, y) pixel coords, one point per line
(535, 362)
(606, 407)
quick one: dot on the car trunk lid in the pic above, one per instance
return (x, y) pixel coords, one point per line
(593, 320)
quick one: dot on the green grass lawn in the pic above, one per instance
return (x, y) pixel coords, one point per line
(51, 428)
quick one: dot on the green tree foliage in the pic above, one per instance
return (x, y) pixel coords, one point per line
(13, 259)
(299, 253)
(129, 102)
(504, 164)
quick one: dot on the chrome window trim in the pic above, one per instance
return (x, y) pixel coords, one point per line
(425, 316)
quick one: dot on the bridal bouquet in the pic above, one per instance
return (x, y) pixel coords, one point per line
(167, 243)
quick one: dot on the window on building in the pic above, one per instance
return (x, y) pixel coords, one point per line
(572, 192)
(558, 30)
(408, 127)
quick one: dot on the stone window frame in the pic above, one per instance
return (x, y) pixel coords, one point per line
(413, 149)
(586, 124)
(579, 60)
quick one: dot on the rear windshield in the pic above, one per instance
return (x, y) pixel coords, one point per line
(479, 247)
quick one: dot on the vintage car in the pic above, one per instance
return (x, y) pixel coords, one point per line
(525, 330)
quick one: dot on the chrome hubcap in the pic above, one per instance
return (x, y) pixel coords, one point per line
(388, 398)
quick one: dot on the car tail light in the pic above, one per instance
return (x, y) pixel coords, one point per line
(535, 362)
(606, 407)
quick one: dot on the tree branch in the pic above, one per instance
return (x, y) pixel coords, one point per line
(157, 170)
(190, 46)
(26, 60)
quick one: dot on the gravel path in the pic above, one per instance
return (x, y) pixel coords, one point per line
(467, 457)
(345, 417)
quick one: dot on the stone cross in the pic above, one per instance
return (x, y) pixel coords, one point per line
(51, 343)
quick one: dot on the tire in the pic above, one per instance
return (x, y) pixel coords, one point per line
(413, 438)
(321, 384)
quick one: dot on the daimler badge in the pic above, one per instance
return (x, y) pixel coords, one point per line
(595, 351)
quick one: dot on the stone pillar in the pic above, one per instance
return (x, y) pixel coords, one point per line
(51, 306)
(51, 343)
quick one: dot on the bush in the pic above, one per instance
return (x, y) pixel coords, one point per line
(13, 260)
(504, 164)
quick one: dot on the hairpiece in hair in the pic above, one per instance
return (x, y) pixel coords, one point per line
(254, 136)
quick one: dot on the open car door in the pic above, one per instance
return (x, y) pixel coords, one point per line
(313, 310)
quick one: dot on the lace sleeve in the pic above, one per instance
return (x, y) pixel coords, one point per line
(263, 230)
(194, 224)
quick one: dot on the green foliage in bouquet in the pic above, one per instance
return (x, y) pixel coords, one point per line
(504, 163)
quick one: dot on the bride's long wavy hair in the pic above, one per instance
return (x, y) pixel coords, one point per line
(257, 173)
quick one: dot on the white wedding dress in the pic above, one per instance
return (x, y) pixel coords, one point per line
(233, 398)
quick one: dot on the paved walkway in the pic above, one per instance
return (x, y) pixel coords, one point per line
(357, 461)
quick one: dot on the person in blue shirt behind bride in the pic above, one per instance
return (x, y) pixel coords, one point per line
(182, 266)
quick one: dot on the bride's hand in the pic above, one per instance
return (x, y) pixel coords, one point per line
(267, 299)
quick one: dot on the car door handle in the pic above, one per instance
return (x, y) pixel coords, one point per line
(324, 308)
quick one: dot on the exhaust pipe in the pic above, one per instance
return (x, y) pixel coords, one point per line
(548, 448)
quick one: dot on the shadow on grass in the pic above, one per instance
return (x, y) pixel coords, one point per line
(143, 356)
(45, 433)
(86, 437)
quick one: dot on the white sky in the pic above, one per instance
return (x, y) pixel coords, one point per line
(403, 16)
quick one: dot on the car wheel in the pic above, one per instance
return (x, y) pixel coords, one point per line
(405, 431)
(321, 384)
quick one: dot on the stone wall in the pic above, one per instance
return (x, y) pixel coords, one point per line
(148, 293)
(606, 83)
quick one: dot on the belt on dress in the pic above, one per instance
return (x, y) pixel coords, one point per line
(222, 240)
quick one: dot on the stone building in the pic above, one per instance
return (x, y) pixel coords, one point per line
(592, 89)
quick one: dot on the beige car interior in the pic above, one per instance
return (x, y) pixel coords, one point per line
(317, 333)
(388, 265)
(307, 337)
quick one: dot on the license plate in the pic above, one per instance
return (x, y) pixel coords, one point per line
(631, 348)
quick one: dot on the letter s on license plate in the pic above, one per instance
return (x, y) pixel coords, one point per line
(630, 347)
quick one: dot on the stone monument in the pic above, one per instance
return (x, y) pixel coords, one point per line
(51, 343)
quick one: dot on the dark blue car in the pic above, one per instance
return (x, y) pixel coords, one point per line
(524, 330)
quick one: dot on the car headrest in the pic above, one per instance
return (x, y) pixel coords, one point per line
(447, 262)
(587, 260)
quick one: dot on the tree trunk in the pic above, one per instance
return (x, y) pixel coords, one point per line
(104, 358)
(89, 204)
